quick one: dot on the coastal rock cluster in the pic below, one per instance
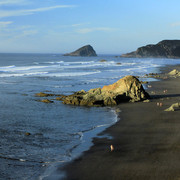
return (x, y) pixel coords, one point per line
(173, 107)
(83, 51)
(174, 72)
(126, 89)
(163, 49)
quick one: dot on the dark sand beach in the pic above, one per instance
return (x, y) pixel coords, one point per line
(146, 140)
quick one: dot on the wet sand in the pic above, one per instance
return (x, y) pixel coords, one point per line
(146, 140)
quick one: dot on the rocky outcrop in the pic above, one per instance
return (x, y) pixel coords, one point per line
(46, 101)
(83, 51)
(126, 89)
(164, 49)
(41, 94)
(174, 72)
(103, 60)
(173, 107)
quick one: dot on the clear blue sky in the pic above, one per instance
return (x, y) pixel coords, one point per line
(110, 26)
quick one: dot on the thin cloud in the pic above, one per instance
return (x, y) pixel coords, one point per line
(12, 2)
(30, 11)
(47, 8)
(89, 30)
(80, 24)
(175, 24)
(4, 24)
(26, 33)
(16, 32)
(73, 25)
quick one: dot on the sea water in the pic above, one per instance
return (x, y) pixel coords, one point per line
(37, 138)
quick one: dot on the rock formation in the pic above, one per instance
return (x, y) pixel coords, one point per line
(103, 60)
(164, 49)
(173, 107)
(126, 89)
(174, 72)
(46, 101)
(83, 51)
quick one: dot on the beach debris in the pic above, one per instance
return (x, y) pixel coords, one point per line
(118, 63)
(111, 147)
(127, 89)
(146, 101)
(149, 86)
(165, 91)
(172, 107)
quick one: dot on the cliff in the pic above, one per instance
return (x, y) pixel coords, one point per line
(163, 49)
(83, 51)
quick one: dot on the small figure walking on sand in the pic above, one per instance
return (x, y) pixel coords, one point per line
(159, 104)
(112, 148)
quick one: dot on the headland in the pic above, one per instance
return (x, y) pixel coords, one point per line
(163, 49)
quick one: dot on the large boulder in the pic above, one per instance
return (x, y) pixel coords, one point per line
(126, 89)
(163, 49)
(129, 86)
(83, 51)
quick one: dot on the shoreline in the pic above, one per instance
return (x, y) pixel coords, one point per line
(77, 151)
(141, 140)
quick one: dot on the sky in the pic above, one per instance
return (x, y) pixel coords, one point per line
(62, 26)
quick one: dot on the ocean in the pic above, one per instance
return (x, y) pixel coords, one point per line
(37, 138)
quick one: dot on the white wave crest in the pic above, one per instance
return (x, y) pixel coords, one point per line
(20, 68)
(23, 74)
(7, 67)
(72, 74)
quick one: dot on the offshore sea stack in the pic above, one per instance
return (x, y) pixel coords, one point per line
(83, 51)
(164, 49)
(126, 89)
